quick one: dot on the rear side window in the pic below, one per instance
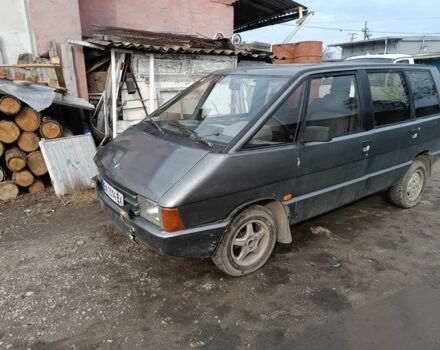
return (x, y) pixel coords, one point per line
(424, 93)
(390, 98)
(333, 103)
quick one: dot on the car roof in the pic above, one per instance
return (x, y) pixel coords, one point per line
(291, 70)
(390, 56)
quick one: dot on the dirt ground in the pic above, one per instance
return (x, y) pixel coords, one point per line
(69, 280)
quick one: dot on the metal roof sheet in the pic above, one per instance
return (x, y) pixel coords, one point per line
(251, 14)
(176, 49)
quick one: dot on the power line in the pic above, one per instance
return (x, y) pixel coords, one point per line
(360, 30)
(381, 20)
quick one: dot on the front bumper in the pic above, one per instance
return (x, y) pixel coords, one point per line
(195, 242)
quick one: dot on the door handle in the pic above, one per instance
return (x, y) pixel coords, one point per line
(415, 133)
(366, 146)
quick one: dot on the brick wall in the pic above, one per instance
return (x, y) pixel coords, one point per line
(59, 20)
(190, 16)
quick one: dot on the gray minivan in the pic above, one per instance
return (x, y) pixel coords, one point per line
(227, 166)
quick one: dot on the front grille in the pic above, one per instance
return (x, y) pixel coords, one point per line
(131, 204)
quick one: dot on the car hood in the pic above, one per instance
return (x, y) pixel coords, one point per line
(145, 164)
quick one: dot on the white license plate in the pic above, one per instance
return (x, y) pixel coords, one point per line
(114, 194)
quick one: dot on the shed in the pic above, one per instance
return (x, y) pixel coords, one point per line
(161, 64)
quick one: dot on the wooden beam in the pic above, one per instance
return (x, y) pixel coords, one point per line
(58, 71)
(69, 69)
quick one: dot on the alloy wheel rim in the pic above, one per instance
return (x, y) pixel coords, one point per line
(250, 243)
(415, 185)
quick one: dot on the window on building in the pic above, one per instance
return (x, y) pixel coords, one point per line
(390, 98)
(283, 125)
(424, 93)
(333, 102)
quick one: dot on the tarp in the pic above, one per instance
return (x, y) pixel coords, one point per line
(39, 97)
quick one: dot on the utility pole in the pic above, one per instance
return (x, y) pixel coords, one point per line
(353, 36)
(366, 31)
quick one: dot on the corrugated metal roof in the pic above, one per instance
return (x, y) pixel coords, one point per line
(176, 49)
(251, 14)
(360, 42)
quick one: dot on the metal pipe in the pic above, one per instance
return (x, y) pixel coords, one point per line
(114, 94)
(151, 83)
(106, 128)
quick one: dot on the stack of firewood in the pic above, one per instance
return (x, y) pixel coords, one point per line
(22, 165)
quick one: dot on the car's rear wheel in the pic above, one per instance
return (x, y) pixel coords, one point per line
(248, 243)
(409, 190)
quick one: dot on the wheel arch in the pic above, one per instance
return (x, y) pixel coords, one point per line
(426, 156)
(279, 212)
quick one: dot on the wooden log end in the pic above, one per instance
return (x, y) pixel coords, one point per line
(8, 191)
(23, 178)
(2, 174)
(28, 141)
(9, 105)
(36, 163)
(37, 186)
(51, 129)
(2, 149)
(15, 159)
(9, 131)
(28, 119)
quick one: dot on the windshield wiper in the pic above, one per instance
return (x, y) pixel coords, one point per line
(155, 125)
(190, 133)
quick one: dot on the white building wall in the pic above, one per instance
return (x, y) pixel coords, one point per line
(15, 35)
(173, 73)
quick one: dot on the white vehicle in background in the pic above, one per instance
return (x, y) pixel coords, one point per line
(388, 58)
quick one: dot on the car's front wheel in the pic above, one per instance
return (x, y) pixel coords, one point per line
(248, 243)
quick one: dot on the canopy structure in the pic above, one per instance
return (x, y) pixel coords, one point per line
(252, 14)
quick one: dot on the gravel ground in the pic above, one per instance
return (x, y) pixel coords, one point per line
(69, 280)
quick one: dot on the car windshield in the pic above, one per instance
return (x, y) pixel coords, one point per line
(217, 108)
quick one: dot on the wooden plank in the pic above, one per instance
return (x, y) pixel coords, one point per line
(28, 65)
(58, 71)
(69, 69)
(52, 49)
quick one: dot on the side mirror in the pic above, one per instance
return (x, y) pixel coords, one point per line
(316, 134)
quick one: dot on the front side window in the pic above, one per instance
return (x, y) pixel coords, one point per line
(219, 107)
(333, 103)
(424, 93)
(283, 124)
(390, 98)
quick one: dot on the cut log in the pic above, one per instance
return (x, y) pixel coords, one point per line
(9, 131)
(2, 174)
(2, 149)
(36, 163)
(9, 105)
(15, 159)
(37, 186)
(28, 141)
(50, 128)
(23, 178)
(28, 119)
(8, 191)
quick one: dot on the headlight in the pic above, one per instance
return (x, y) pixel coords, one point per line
(168, 219)
(149, 210)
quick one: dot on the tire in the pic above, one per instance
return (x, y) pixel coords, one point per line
(248, 243)
(409, 190)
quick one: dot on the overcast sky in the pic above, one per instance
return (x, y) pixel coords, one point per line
(385, 18)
